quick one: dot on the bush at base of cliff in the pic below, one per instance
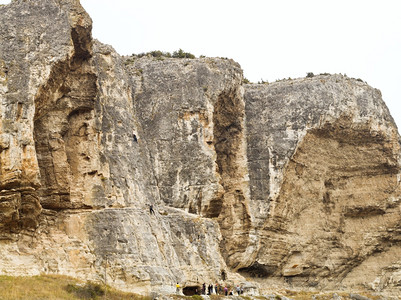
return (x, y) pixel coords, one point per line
(88, 291)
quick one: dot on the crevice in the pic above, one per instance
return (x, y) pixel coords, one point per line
(82, 40)
(231, 206)
(363, 211)
(19, 110)
(228, 138)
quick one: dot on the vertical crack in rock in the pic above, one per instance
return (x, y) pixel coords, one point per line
(64, 129)
(232, 207)
(227, 142)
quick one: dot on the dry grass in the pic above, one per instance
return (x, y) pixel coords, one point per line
(56, 287)
(36, 287)
(307, 295)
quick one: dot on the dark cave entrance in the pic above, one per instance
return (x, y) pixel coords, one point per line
(223, 275)
(191, 290)
(256, 270)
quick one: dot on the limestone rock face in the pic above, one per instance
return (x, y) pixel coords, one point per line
(295, 183)
(192, 113)
(324, 163)
(79, 205)
(27, 57)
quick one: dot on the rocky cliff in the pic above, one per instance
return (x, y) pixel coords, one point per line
(323, 156)
(292, 184)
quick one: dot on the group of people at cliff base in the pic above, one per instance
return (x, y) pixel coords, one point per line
(219, 289)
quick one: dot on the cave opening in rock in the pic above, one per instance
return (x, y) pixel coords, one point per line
(256, 270)
(223, 275)
(191, 290)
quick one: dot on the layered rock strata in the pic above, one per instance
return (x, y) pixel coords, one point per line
(324, 163)
(295, 183)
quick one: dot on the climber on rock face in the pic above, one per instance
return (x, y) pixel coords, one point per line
(151, 211)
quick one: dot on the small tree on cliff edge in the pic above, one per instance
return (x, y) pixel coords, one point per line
(181, 54)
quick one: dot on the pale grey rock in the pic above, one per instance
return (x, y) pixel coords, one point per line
(292, 184)
(336, 297)
(192, 113)
(358, 297)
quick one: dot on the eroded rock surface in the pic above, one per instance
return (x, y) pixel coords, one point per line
(32, 44)
(295, 183)
(192, 112)
(91, 173)
(324, 170)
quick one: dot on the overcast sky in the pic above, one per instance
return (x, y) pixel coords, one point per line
(270, 39)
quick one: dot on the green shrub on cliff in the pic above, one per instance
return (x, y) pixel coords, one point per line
(182, 54)
(196, 297)
(161, 54)
(88, 291)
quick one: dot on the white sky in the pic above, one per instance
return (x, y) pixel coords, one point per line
(271, 39)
